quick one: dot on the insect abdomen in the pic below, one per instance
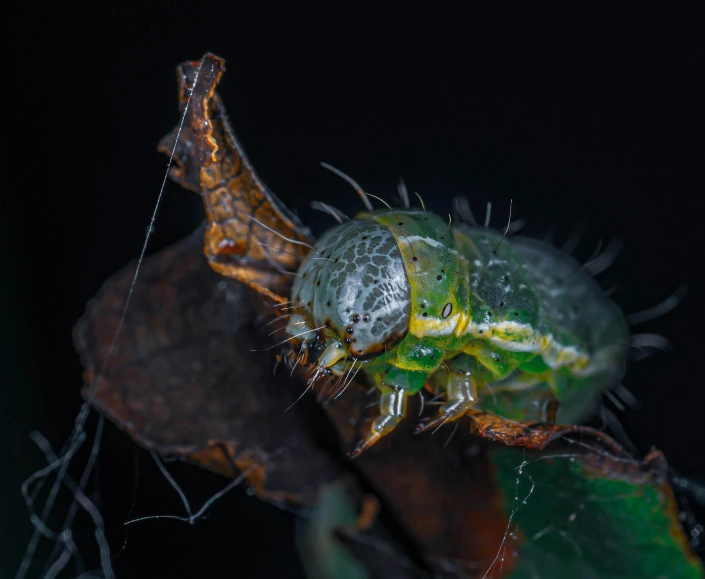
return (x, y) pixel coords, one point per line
(518, 282)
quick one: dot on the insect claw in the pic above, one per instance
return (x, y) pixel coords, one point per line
(392, 408)
(363, 445)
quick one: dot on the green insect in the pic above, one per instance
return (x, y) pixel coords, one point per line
(490, 322)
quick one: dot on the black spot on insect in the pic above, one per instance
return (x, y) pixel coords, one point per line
(356, 318)
(349, 330)
(447, 310)
(348, 341)
(366, 318)
(439, 277)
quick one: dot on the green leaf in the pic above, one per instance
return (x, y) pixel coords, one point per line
(589, 516)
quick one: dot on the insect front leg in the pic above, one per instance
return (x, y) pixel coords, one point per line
(395, 386)
(392, 409)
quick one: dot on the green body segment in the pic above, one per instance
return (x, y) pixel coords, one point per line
(524, 320)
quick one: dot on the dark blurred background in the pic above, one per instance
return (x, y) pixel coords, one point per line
(572, 113)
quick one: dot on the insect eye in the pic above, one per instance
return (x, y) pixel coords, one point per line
(447, 310)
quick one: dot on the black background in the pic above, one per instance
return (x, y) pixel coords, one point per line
(572, 114)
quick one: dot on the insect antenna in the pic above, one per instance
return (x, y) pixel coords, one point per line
(271, 261)
(596, 252)
(604, 259)
(300, 357)
(509, 222)
(517, 225)
(388, 206)
(284, 328)
(413, 253)
(462, 206)
(289, 339)
(350, 381)
(270, 322)
(548, 237)
(292, 307)
(292, 253)
(341, 380)
(614, 400)
(526, 387)
(488, 214)
(403, 193)
(336, 213)
(423, 205)
(350, 180)
(423, 403)
(442, 424)
(284, 237)
(646, 344)
(320, 206)
(450, 220)
(625, 394)
(436, 400)
(452, 433)
(659, 309)
(611, 421)
(308, 387)
(572, 242)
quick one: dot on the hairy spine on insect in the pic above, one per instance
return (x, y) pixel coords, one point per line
(504, 325)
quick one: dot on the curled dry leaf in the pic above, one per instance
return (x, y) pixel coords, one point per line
(241, 211)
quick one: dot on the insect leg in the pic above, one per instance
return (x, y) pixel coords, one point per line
(461, 396)
(392, 408)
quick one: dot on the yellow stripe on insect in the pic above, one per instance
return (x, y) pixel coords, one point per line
(456, 324)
